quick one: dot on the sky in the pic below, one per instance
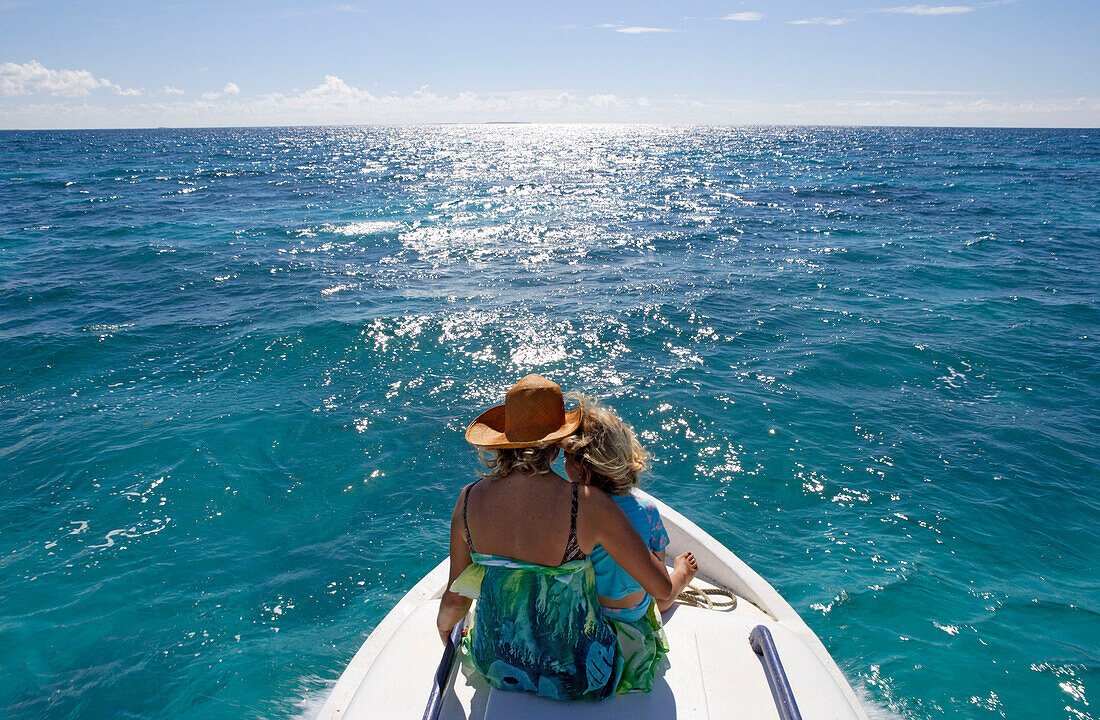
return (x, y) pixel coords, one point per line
(185, 63)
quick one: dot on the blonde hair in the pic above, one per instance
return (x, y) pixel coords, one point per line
(529, 461)
(606, 446)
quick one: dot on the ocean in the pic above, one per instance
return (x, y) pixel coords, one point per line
(236, 366)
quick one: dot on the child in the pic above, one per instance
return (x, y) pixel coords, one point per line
(605, 453)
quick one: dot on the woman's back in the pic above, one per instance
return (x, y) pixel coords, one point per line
(523, 517)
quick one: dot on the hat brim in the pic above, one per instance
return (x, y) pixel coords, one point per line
(487, 431)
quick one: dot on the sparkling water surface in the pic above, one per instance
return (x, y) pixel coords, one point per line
(236, 364)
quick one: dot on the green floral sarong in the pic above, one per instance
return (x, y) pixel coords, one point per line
(539, 629)
(642, 644)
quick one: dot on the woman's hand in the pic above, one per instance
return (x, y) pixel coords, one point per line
(452, 608)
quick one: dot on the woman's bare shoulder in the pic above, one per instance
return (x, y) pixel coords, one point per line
(463, 495)
(596, 501)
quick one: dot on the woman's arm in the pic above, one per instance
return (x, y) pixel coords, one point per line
(453, 607)
(611, 528)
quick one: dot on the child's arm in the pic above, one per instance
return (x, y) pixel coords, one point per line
(681, 575)
(685, 567)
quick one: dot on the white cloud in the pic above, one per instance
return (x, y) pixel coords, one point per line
(606, 100)
(33, 77)
(821, 21)
(169, 90)
(930, 93)
(229, 89)
(918, 10)
(638, 30)
(337, 102)
(633, 29)
(336, 88)
(930, 9)
(927, 111)
(747, 16)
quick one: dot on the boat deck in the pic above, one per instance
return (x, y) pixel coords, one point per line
(711, 671)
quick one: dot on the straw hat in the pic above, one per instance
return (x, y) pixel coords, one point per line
(533, 414)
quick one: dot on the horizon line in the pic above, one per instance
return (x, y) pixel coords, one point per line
(559, 122)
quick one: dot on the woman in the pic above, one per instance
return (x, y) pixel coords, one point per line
(519, 543)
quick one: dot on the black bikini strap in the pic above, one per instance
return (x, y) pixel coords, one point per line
(573, 515)
(572, 548)
(465, 502)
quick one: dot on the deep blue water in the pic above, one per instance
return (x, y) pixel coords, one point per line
(235, 367)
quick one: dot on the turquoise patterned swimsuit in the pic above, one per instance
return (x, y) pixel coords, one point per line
(611, 580)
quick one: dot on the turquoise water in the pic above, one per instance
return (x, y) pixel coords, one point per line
(235, 367)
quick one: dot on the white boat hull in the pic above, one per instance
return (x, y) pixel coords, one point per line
(711, 670)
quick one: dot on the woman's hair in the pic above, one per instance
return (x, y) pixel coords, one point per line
(607, 447)
(530, 461)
